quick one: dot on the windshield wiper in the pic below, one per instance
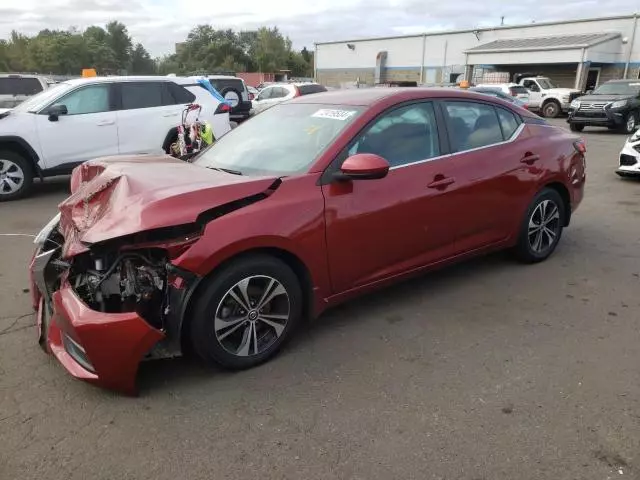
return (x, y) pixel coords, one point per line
(226, 170)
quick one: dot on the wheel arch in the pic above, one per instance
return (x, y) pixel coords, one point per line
(20, 146)
(169, 138)
(293, 261)
(563, 191)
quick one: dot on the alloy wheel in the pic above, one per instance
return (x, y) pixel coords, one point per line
(544, 226)
(11, 177)
(252, 315)
(631, 123)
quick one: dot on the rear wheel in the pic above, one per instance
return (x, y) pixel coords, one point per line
(232, 96)
(16, 177)
(246, 312)
(542, 227)
(576, 127)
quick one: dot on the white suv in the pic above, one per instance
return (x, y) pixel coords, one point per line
(77, 120)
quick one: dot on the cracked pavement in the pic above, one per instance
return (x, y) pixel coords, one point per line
(487, 370)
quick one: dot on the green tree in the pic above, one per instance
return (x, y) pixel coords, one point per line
(141, 61)
(120, 42)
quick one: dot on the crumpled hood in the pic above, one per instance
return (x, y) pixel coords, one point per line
(116, 196)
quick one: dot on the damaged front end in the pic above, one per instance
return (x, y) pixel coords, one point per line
(103, 282)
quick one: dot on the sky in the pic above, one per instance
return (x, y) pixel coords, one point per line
(159, 24)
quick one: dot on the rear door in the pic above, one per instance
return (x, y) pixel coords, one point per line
(491, 149)
(379, 228)
(147, 111)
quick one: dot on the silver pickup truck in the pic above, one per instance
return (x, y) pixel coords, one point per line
(16, 88)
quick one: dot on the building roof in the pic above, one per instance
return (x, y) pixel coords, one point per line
(554, 42)
(487, 29)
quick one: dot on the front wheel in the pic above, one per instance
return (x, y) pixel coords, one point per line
(575, 127)
(630, 123)
(542, 227)
(16, 176)
(246, 312)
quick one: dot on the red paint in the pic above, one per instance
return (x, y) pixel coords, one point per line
(352, 236)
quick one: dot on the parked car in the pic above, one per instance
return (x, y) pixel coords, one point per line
(510, 89)
(629, 164)
(235, 92)
(501, 95)
(52, 132)
(278, 93)
(311, 203)
(253, 92)
(16, 88)
(614, 104)
(546, 97)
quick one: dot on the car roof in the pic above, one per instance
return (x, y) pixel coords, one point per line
(224, 77)
(370, 96)
(132, 78)
(624, 81)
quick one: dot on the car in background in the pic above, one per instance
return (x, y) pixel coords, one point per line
(511, 89)
(16, 88)
(629, 162)
(277, 93)
(500, 94)
(614, 104)
(309, 204)
(235, 92)
(253, 92)
(80, 119)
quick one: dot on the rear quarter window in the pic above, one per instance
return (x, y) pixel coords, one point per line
(19, 86)
(179, 95)
(309, 89)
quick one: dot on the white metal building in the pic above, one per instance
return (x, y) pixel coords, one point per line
(577, 53)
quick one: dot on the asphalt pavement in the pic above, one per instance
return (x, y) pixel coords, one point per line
(487, 370)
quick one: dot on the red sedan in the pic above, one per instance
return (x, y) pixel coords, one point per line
(306, 205)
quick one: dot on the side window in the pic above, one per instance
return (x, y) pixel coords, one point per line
(508, 122)
(472, 125)
(531, 85)
(90, 99)
(404, 135)
(178, 95)
(279, 92)
(141, 95)
(265, 94)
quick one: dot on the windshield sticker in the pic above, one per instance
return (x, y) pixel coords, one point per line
(334, 114)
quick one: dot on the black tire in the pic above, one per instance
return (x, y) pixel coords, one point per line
(15, 163)
(551, 109)
(234, 96)
(524, 250)
(213, 298)
(576, 127)
(630, 123)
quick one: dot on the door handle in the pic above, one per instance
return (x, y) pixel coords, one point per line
(530, 158)
(442, 183)
(104, 123)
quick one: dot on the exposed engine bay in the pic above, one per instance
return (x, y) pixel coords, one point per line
(122, 282)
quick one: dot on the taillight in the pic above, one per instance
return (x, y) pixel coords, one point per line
(296, 91)
(580, 146)
(513, 92)
(222, 108)
(251, 96)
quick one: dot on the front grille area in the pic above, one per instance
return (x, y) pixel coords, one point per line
(627, 160)
(592, 106)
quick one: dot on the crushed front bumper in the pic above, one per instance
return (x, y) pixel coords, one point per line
(629, 159)
(101, 348)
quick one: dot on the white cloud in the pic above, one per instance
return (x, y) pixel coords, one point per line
(159, 24)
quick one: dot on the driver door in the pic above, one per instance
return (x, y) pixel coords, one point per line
(380, 228)
(87, 131)
(535, 94)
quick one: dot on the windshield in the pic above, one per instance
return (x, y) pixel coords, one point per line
(283, 140)
(35, 103)
(545, 83)
(618, 88)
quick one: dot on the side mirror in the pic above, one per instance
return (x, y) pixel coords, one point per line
(54, 111)
(363, 166)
